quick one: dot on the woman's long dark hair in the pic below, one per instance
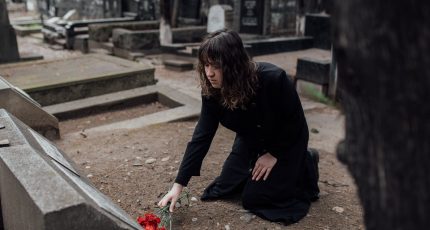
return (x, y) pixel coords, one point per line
(225, 49)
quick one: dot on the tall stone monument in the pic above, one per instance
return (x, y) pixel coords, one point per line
(8, 45)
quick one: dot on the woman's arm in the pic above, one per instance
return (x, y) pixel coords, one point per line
(196, 150)
(199, 145)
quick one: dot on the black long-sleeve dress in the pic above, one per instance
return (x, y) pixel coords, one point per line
(274, 122)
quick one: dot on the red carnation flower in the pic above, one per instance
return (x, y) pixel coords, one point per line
(150, 222)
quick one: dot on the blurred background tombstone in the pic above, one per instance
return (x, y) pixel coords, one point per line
(220, 17)
(31, 5)
(252, 16)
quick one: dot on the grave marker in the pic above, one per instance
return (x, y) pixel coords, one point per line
(40, 187)
(251, 16)
(8, 45)
(220, 17)
(22, 106)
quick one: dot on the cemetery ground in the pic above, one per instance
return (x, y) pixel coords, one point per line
(136, 167)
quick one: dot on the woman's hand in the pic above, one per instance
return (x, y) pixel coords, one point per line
(263, 166)
(172, 196)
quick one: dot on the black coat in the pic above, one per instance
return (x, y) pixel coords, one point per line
(273, 121)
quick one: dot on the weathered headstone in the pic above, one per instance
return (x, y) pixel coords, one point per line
(282, 18)
(252, 16)
(146, 10)
(8, 45)
(40, 188)
(220, 17)
(31, 5)
(22, 106)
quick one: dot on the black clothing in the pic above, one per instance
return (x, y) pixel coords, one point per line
(274, 122)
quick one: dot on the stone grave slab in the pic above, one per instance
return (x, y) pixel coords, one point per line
(264, 46)
(149, 39)
(24, 29)
(58, 81)
(22, 106)
(314, 70)
(178, 65)
(182, 107)
(102, 32)
(41, 185)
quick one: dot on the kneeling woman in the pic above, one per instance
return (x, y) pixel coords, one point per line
(269, 163)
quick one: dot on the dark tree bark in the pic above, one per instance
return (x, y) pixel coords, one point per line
(383, 53)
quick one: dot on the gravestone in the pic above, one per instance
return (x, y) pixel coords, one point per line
(252, 16)
(146, 10)
(22, 106)
(318, 26)
(8, 45)
(189, 12)
(31, 5)
(282, 18)
(190, 9)
(148, 40)
(41, 188)
(220, 17)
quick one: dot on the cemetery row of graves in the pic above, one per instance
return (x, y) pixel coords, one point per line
(112, 38)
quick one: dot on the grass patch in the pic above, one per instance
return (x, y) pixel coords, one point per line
(317, 95)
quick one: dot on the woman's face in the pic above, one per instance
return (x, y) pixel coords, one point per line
(214, 75)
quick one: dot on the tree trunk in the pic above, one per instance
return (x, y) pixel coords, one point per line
(383, 54)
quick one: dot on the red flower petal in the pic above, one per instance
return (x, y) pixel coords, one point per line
(140, 220)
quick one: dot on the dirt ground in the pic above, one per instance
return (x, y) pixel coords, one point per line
(116, 161)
